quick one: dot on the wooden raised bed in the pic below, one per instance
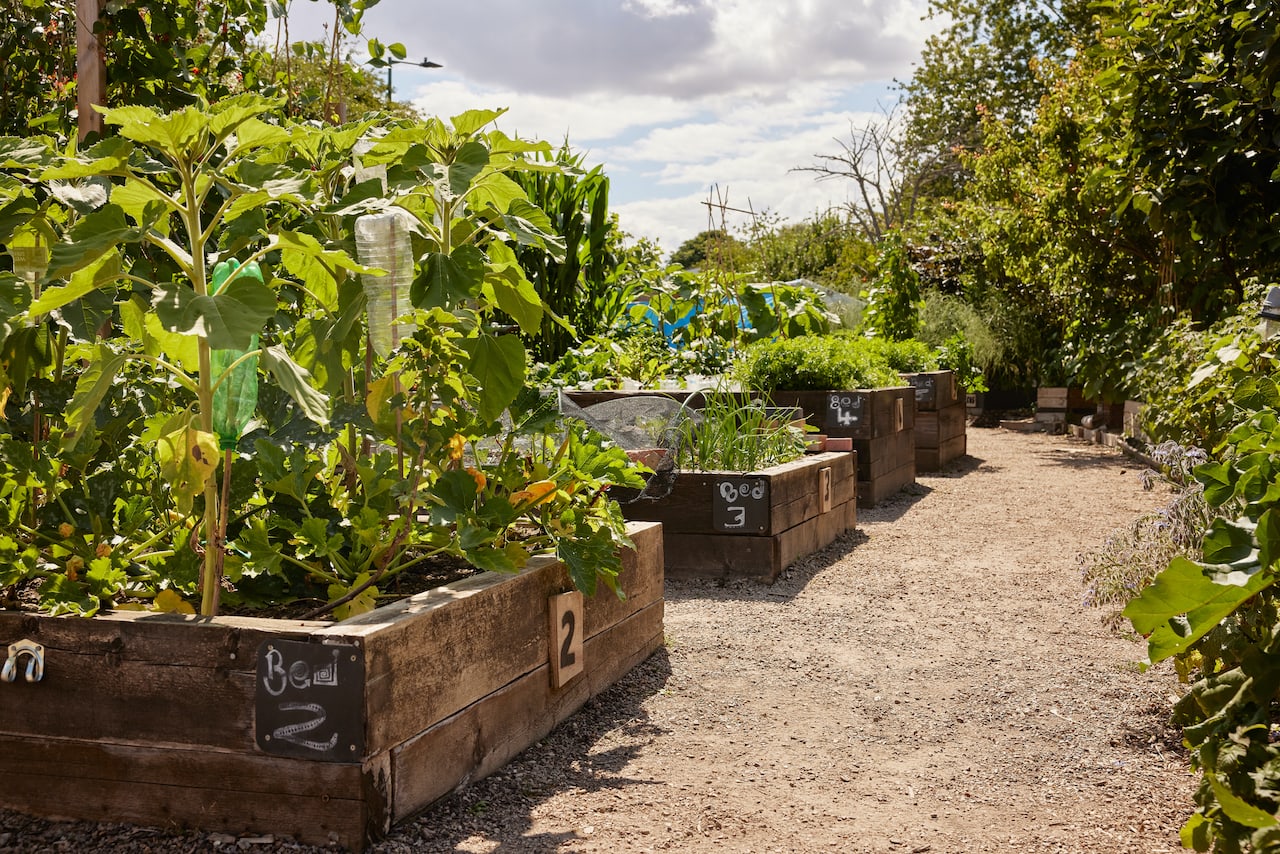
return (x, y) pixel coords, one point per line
(753, 525)
(880, 421)
(941, 419)
(323, 732)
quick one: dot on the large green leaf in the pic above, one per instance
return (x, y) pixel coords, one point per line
(1237, 809)
(498, 364)
(255, 133)
(446, 280)
(24, 153)
(227, 319)
(1184, 603)
(513, 292)
(108, 157)
(276, 180)
(102, 272)
(139, 200)
(92, 237)
(143, 326)
(465, 124)
(174, 134)
(93, 385)
(296, 382)
(188, 458)
(468, 162)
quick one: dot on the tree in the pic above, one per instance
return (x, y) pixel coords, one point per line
(886, 183)
(1190, 127)
(713, 247)
(985, 63)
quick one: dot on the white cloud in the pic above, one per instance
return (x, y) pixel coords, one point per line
(676, 98)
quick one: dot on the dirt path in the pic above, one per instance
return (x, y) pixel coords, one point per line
(930, 684)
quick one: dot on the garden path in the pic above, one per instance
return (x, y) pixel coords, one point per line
(928, 684)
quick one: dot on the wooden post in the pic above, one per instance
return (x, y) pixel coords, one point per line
(91, 69)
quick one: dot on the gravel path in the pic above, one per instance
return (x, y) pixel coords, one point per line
(930, 683)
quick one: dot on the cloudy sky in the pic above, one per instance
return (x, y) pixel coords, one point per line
(683, 101)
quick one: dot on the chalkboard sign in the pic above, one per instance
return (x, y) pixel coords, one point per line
(309, 700)
(924, 387)
(844, 413)
(740, 505)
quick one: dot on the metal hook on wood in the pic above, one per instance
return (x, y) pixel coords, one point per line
(35, 666)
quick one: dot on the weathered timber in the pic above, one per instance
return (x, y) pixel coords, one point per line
(805, 503)
(855, 413)
(156, 718)
(934, 389)
(935, 459)
(884, 454)
(872, 492)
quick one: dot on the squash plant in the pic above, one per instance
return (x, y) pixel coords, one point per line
(329, 501)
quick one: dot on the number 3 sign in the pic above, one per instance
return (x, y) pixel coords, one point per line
(566, 637)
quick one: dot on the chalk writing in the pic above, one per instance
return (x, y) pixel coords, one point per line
(309, 701)
(740, 505)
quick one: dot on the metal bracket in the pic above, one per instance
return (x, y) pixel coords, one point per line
(35, 667)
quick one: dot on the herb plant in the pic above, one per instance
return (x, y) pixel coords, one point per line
(732, 434)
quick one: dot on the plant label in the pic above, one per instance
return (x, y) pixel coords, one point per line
(845, 412)
(566, 637)
(308, 700)
(740, 505)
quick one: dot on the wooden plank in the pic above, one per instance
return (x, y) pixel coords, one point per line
(872, 492)
(934, 389)
(935, 459)
(448, 648)
(91, 69)
(878, 409)
(719, 556)
(877, 457)
(153, 677)
(315, 802)
(933, 428)
(815, 533)
(481, 738)
(688, 509)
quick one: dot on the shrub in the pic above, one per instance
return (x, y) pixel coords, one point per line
(815, 363)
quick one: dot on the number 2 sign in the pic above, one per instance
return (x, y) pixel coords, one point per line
(565, 637)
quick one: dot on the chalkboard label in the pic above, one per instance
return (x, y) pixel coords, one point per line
(924, 386)
(740, 505)
(309, 700)
(845, 412)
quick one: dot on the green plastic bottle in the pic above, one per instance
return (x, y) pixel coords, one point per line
(236, 397)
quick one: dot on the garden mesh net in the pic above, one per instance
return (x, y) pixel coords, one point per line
(648, 427)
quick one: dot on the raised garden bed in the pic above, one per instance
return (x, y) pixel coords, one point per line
(880, 421)
(326, 732)
(941, 419)
(753, 525)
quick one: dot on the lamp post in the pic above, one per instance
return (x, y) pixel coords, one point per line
(425, 63)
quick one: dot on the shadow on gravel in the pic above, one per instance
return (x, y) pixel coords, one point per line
(1085, 457)
(501, 808)
(792, 581)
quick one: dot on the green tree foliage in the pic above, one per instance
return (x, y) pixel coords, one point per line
(985, 62)
(38, 43)
(714, 248)
(1189, 126)
(893, 308)
(826, 249)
